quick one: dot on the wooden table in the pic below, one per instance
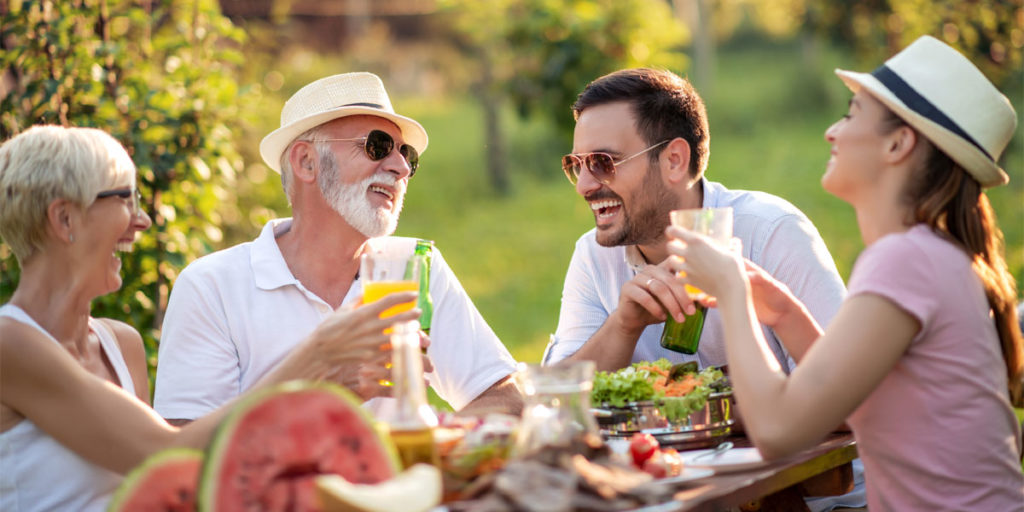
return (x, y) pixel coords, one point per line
(824, 470)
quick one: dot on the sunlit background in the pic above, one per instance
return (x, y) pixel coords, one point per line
(190, 87)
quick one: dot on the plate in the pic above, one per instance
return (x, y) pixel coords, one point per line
(688, 474)
(736, 459)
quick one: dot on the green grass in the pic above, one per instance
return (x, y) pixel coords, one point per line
(767, 134)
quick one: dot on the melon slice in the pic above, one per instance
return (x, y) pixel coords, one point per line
(268, 452)
(167, 481)
(417, 489)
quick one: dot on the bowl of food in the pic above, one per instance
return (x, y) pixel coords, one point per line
(677, 404)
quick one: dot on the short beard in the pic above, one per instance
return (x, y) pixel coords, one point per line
(350, 200)
(647, 223)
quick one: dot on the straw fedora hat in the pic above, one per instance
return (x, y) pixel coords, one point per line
(943, 95)
(347, 94)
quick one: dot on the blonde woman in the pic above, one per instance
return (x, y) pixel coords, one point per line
(926, 351)
(74, 413)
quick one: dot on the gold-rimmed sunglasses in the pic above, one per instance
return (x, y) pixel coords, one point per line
(600, 165)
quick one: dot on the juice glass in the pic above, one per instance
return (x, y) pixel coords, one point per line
(384, 274)
(715, 223)
(684, 337)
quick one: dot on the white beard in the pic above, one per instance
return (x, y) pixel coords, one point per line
(351, 202)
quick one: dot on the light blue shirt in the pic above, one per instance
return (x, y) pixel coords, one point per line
(776, 236)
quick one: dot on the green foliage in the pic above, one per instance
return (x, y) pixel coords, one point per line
(542, 53)
(989, 32)
(159, 77)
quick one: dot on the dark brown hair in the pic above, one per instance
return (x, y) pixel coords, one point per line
(947, 198)
(666, 106)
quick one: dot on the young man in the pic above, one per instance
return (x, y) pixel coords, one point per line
(640, 149)
(345, 159)
(653, 128)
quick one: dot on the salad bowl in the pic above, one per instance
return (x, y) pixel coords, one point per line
(675, 403)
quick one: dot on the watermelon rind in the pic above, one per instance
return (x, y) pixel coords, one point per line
(225, 431)
(132, 479)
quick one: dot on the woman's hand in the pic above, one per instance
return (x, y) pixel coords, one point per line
(704, 264)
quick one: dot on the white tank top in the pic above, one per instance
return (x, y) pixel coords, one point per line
(36, 471)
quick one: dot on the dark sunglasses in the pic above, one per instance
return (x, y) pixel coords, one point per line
(600, 165)
(378, 145)
(132, 194)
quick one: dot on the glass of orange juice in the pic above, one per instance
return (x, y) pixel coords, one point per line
(384, 274)
(715, 223)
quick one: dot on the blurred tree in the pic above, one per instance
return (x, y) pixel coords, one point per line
(989, 32)
(158, 75)
(539, 54)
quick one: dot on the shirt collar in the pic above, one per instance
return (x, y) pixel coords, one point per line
(635, 259)
(270, 271)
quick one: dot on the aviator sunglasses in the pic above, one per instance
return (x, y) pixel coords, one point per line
(378, 145)
(131, 194)
(601, 165)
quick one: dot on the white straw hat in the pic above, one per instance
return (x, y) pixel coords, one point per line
(348, 94)
(943, 95)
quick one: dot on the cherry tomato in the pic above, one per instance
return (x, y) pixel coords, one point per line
(673, 461)
(642, 447)
(655, 465)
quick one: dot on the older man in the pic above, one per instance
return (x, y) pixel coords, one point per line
(345, 159)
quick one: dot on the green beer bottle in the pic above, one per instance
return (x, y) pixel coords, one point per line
(684, 336)
(424, 248)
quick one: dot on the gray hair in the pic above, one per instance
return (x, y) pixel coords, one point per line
(46, 163)
(314, 135)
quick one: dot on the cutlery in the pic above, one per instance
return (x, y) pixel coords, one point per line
(719, 450)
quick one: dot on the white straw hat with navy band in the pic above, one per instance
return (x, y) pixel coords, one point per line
(348, 94)
(944, 96)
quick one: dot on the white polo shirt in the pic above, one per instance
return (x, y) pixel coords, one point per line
(236, 313)
(776, 236)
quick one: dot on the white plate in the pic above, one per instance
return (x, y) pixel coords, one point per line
(736, 459)
(688, 474)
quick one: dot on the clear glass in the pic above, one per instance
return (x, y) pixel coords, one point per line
(383, 274)
(557, 405)
(716, 223)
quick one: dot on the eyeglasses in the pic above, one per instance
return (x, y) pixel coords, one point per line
(601, 165)
(132, 194)
(378, 145)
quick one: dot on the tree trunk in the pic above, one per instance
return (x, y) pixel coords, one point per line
(494, 146)
(696, 14)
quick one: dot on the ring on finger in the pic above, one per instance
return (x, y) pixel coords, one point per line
(648, 283)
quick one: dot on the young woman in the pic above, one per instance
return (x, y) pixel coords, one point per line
(925, 353)
(74, 394)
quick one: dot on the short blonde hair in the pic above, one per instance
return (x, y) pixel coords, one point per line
(46, 163)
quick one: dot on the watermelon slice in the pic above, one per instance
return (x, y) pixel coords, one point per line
(267, 453)
(167, 481)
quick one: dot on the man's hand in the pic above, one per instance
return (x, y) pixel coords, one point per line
(650, 296)
(373, 377)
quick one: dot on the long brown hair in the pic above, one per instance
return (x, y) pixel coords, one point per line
(947, 198)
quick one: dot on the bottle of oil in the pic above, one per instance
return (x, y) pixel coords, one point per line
(412, 421)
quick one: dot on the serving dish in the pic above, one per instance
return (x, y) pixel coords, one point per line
(703, 427)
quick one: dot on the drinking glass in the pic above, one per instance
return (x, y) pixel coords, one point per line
(557, 405)
(384, 274)
(715, 223)
(684, 337)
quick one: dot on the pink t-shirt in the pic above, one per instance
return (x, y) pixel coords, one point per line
(939, 432)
